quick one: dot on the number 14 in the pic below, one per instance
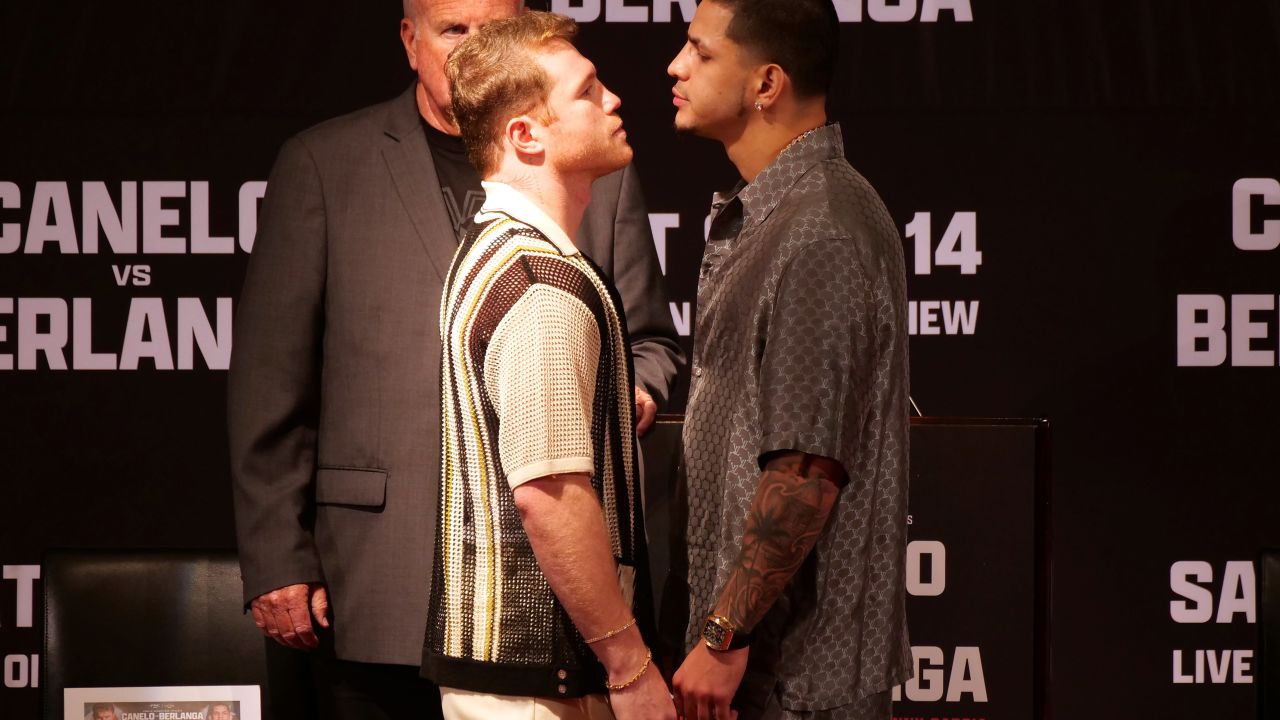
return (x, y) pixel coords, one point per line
(959, 245)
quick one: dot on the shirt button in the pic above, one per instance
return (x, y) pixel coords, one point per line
(562, 674)
(562, 689)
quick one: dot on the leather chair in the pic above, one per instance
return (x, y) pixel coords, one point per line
(147, 618)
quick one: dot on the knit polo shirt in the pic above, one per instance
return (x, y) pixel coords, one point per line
(536, 381)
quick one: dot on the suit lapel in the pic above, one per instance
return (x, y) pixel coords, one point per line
(408, 160)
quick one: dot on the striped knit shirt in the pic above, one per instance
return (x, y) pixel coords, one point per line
(536, 381)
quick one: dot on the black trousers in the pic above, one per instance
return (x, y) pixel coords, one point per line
(316, 686)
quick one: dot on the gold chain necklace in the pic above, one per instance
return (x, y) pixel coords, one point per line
(802, 136)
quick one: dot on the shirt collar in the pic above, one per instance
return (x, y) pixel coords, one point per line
(502, 199)
(762, 195)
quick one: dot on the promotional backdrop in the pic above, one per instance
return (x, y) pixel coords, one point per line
(1089, 196)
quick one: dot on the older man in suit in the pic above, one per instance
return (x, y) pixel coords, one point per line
(334, 393)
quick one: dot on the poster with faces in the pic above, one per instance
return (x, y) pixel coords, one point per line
(195, 702)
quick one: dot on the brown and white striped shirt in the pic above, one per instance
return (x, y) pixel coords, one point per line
(536, 381)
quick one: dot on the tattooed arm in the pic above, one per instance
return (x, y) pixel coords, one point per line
(790, 509)
(792, 503)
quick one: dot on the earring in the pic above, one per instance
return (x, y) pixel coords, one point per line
(759, 107)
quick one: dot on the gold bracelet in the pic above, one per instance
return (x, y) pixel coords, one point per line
(648, 655)
(611, 633)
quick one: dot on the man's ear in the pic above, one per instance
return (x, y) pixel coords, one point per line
(409, 33)
(769, 81)
(522, 134)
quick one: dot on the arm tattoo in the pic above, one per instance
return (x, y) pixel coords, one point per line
(789, 511)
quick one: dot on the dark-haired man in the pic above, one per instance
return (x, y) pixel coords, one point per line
(535, 609)
(334, 393)
(800, 371)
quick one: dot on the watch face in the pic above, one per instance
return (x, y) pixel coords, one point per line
(714, 635)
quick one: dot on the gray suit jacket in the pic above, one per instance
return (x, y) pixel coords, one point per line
(334, 390)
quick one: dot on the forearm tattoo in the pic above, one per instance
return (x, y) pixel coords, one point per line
(789, 511)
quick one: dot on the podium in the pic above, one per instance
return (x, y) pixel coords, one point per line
(977, 578)
(978, 568)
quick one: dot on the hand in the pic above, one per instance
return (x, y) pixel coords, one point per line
(648, 697)
(646, 411)
(284, 614)
(707, 681)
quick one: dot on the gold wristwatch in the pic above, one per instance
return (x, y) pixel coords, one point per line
(720, 634)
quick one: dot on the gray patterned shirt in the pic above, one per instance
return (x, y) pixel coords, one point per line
(801, 344)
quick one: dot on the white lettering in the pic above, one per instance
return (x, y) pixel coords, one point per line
(961, 317)
(1244, 330)
(1244, 663)
(1214, 667)
(960, 10)
(32, 342)
(1202, 334)
(82, 355)
(848, 10)
(251, 194)
(146, 335)
(17, 670)
(51, 196)
(659, 224)
(1179, 677)
(194, 329)
(120, 228)
(681, 316)
(156, 217)
(25, 577)
(620, 11)
(967, 676)
(1238, 593)
(890, 11)
(1242, 194)
(201, 242)
(662, 9)
(894, 11)
(10, 233)
(929, 683)
(929, 317)
(6, 308)
(936, 552)
(580, 10)
(1183, 576)
(1212, 330)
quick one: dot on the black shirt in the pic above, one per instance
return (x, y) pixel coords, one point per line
(459, 181)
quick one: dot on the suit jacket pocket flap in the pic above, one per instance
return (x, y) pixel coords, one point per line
(351, 486)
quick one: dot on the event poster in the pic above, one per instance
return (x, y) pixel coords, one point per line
(204, 702)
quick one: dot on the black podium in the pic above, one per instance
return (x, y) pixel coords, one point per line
(978, 580)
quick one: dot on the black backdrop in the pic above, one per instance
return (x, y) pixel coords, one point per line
(1087, 150)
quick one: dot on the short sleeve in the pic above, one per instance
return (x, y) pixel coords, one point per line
(817, 344)
(540, 373)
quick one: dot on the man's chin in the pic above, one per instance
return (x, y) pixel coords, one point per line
(685, 127)
(618, 160)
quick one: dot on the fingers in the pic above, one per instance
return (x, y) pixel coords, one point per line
(646, 411)
(720, 708)
(258, 618)
(282, 616)
(300, 617)
(320, 606)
